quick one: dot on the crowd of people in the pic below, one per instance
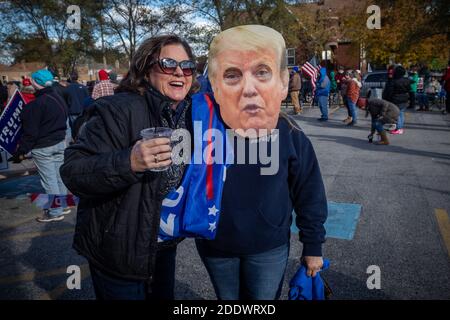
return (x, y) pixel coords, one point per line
(51, 108)
(403, 89)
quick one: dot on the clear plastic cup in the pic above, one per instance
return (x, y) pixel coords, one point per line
(153, 133)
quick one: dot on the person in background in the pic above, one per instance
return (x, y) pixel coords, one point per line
(57, 86)
(344, 86)
(414, 77)
(113, 77)
(333, 87)
(11, 87)
(382, 112)
(105, 87)
(430, 94)
(397, 91)
(3, 95)
(339, 80)
(44, 130)
(76, 93)
(389, 82)
(446, 86)
(441, 97)
(353, 88)
(424, 74)
(322, 93)
(295, 85)
(27, 91)
(306, 87)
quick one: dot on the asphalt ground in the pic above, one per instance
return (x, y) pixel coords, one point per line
(403, 227)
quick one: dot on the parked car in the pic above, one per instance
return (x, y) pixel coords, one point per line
(372, 81)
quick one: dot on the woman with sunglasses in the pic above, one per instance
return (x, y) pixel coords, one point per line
(108, 169)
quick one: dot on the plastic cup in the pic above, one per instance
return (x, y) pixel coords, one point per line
(153, 133)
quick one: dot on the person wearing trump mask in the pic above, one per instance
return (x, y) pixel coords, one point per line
(247, 259)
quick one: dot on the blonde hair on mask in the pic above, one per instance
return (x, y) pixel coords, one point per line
(247, 38)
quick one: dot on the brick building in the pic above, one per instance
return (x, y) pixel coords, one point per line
(344, 52)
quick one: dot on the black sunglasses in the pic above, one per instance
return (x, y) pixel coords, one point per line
(169, 66)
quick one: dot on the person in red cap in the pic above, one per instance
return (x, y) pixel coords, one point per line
(105, 87)
(27, 90)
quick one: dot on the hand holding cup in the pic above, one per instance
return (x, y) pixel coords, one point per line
(153, 152)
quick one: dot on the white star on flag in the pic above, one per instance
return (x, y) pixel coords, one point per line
(212, 211)
(212, 227)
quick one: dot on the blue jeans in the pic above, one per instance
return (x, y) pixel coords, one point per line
(352, 109)
(422, 99)
(109, 287)
(247, 277)
(401, 116)
(48, 160)
(377, 125)
(323, 105)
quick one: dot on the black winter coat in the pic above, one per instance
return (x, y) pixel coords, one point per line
(75, 94)
(397, 90)
(119, 211)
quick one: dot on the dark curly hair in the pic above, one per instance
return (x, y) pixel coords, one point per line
(141, 63)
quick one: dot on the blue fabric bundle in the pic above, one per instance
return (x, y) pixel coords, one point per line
(303, 287)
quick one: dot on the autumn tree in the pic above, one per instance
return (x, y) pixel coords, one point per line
(412, 31)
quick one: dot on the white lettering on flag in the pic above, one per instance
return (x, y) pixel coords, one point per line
(173, 203)
(169, 226)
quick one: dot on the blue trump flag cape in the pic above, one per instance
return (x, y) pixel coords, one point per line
(193, 209)
(303, 287)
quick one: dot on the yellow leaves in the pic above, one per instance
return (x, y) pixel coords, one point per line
(407, 33)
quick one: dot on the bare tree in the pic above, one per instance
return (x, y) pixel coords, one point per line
(43, 32)
(130, 21)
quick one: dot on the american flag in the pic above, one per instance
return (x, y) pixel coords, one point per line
(312, 70)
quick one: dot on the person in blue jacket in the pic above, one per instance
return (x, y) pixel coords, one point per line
(322, 92)
(247, 259)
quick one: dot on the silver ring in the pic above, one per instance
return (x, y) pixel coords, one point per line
(156, 158)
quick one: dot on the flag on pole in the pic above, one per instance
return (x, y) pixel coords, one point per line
(312, 70)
